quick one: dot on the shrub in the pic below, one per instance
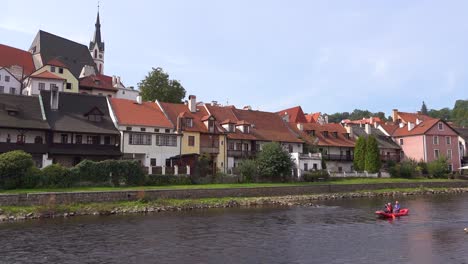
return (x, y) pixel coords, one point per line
(117, 172)
(14, 166)
(312, 176)
(55, 175)
(438, 168)
(405, 169)
(372, 156)
(274, 162)
(248, 170)
(159, 180)
(33, 178)
(359, 161)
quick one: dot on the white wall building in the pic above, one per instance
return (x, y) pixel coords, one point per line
(46, 81)
(8, 82)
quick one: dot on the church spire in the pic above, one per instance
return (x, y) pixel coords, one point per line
(96, 46)
(97, 35)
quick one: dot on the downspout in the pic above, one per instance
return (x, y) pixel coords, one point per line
(424, 148)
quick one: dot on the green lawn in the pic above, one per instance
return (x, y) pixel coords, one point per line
(214, 186)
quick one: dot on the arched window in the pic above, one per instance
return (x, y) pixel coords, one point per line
(95, 54)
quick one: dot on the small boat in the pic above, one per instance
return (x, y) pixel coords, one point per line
(402, 212)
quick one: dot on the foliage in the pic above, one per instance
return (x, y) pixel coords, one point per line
(372, 163)
(14, 166)
(202, 168)
(33, 178)
(118, 172)
(404, 169)
(324, 164)
(359, 161)
(248, 170)
(458, 115)
(438, 168)
(355, 115)
(159, 180)
(274, 162)
(424, 108)
(55, 175)
(157, 85)
(312, 176)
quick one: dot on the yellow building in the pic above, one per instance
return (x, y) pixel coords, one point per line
(61, 70)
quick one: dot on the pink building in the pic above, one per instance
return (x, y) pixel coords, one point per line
(424, 138)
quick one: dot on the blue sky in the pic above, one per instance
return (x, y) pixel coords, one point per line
(326, 56)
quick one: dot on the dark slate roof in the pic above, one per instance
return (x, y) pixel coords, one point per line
(463, 132)
(28, 111)
(382, 140)
(71, 114)
(70, 53)
(97, 36)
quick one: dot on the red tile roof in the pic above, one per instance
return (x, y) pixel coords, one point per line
(420, 129)
(296, 115)
(312, 118)
(46, 75)
(129, 112)
(411, 117)
(339, 141)
(99, 81)
(56, 62)
(370, 121)
(12, 56)
(174, 111)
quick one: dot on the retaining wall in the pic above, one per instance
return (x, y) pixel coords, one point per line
(113, 196)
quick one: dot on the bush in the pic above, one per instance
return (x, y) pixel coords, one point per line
(313, 176)
(55, 175)
(14, 166)
(117, 172)
(159, 180)
(438, 168)
(274, 162)
(33, 178)
(359, 161)
(248, 170)
(405, 169)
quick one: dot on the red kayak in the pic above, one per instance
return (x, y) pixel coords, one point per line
(402, 212)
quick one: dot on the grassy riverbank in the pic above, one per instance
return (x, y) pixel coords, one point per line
(234, 185)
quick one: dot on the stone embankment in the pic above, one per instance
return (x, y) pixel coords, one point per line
(146, 207)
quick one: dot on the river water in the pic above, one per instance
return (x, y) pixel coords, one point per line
(343, 231)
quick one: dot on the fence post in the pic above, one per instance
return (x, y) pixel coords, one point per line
(344, 174)
(188, 170)
(176, 170)
(163, 170)
(150, 169)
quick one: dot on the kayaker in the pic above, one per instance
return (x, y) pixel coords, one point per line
(396, 208)
(389, 208)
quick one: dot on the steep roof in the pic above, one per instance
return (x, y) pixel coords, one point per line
(46, 75)
(12, 56)
(225, 115)
(98, 81)
(390, 128)
(420, 129)
(70, 53)
(463, 132)
(312, 118)
(411, 117)
(71, 115)
(174, 111)
(97, 36)
(129, 112)
(370, 120)
(383, 141)
(295, 114)
(329, 140)
(28, 113)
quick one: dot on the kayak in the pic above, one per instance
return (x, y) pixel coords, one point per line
(402, 212)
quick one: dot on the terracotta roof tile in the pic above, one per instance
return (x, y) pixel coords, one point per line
(98, 81)
(331, 129)
(296, 115)
(420, 129)
(10, 56)
(129, 112)
(411, 117)
(56, 62)
(46, 75)
(312, 118)
(175, 110)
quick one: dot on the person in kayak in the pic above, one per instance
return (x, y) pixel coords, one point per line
(388, 208)
(396, 208)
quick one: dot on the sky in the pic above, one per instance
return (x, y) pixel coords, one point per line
(326, 56)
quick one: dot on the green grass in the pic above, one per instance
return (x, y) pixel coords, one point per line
(218, 186)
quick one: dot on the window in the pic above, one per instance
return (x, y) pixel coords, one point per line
(450, 167)
(312, 132)
(230, 127)
(12, 90)
(401, 141)
(93, 140)
(52, 68)
(2, 89)
(53, 87)
(79, 139)
(290, 148)
(325, 134)
(238, 146)
(139, 139)
(142, 129)
(448, 140)
(441, 126)
(315, 166)
(21, 138)
(435, 140)
(129, 129)
(153, 162)
(166, 140)
(436, 153)
(100, 94)
(95, 118)
(38, 140)
(69, 86)
(335, 134)
(64, 139)
(246, 129)
(449, 154)
(167, 131)
(306, 166)
(95, 53)
(246, 146)
(61, 70)
(258, 147)
(346, 135)
(189, 122)
(41, 86)
(191, 140)
(7, 78)
(156, 130)
(231, 146)
(107, 140)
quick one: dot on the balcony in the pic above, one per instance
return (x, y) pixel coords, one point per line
(393, 157)
(241, 153)
(26, 147)
(85, 149)
(337, 157)
(209, 149)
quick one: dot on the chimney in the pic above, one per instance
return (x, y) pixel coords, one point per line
(395, 115)
(300, 127)
(410, 126)
(139, 100)
(350, 131)
(401, 125)
(118, 80)
(368, 129)
(371, 120)
(192, 103)
(114, 80)
(214, 103)
(247, 107)
(326, 119)
(54, 98)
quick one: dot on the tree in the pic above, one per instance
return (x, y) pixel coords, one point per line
(424, 109)
(14, 166)
(373, 162)
(360, 154)
(248, 170)
(157, 85)
(438, 168)
(274, 162)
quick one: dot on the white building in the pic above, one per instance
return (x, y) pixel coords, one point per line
(8, 82)
(43, 81)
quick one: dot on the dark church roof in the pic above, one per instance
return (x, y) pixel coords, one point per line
(97, 40)
(18, 111)
(74, 55)
(73, 111)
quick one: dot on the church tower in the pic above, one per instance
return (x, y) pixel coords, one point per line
(96, 47)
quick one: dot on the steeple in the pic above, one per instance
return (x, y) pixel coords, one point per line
(96, 46)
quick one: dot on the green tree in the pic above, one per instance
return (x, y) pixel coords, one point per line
(359, 161)
(157, 85)
(14, 166)
(460, 113)
(438, 168)
(274, 162)
(248, 170)
(424, 109)
(373, 162)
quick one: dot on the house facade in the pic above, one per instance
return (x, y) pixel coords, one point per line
(61, 71)
(8, 82)
(146, 133)
(98, 84)
(43, 81)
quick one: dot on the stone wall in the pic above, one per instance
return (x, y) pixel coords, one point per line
(113, 196)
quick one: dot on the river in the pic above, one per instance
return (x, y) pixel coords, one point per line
(341, 231)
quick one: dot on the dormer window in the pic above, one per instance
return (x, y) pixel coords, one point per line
(335, 134)
(211, 125)
(95, 115)
(52, 68)
(441, 126)
(94, 118)
(325, 134)
(231, 128)
(346, 135)
(246, 129)
(188, 122)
